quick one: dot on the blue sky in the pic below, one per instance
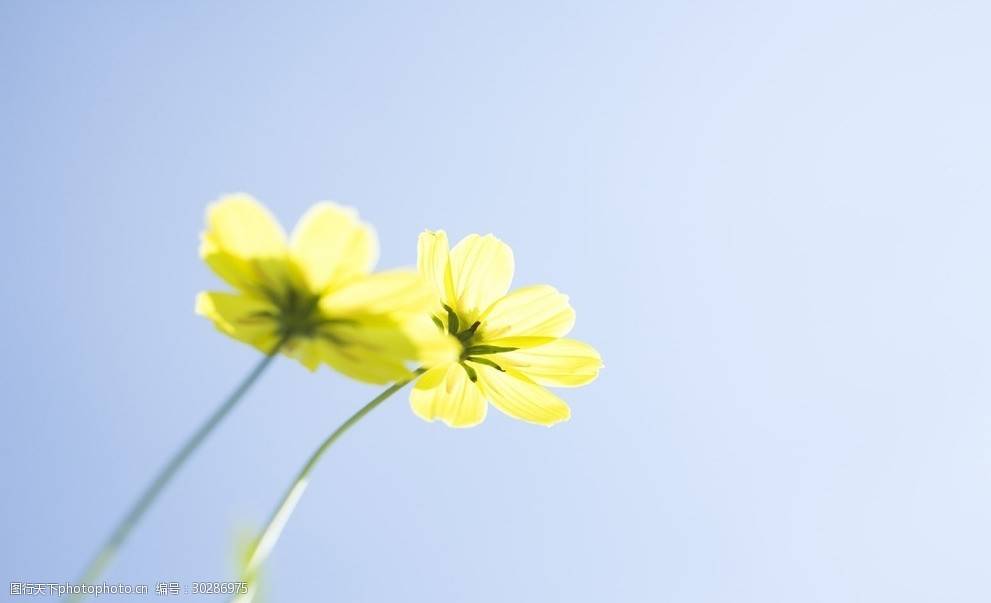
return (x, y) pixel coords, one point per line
(771, 218)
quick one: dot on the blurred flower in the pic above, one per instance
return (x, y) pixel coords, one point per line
(511, 344)
(312, 295)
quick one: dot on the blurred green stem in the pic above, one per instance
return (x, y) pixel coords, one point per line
(266, 540)
(141, 505)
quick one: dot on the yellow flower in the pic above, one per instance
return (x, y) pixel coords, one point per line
(511, 344)
(312, 294)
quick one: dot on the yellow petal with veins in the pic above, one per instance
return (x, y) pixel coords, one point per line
(529, 316)
(364, 364)
(242, 317)
(243, 243)
(401, 300)
(514, 394)
(331, 246)
(482, 271)
(392, 292)
(371, 348)
(445, 393)
(560, 363)
(433, 263)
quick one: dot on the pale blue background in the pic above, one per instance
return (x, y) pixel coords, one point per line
(772, 218)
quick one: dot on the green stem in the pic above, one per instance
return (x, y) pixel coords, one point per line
(141, 505)
(263, 545)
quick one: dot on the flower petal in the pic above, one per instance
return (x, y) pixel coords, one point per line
(363, 364)
(482, 271)
(374, 349)
(514, 394)
(530, 315)
(434, 347)
(445, 393)
(395, 306)
(243, 243)
(330, 246)
(242, 317)
(560, 363)
(242, 226)
(391, 292)
(433, 263)
(307, 350)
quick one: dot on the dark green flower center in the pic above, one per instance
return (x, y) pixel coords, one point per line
(296, 313)
(300, 315)
(472, 349)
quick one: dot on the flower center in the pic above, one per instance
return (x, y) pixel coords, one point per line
(473, 350)
(296, 313)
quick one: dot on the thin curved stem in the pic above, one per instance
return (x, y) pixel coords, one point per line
(263, 545)
(151, 492)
